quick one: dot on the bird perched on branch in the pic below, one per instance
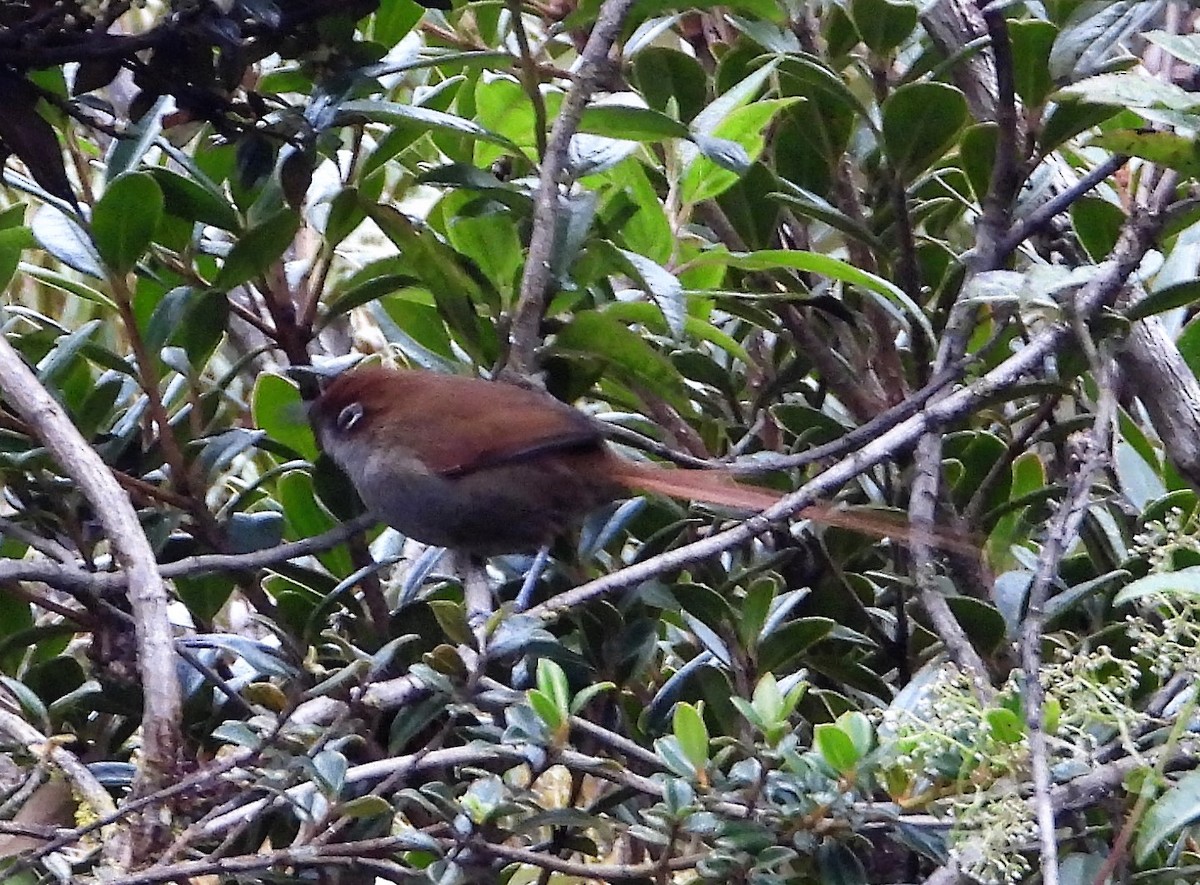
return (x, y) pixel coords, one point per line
(486, 468)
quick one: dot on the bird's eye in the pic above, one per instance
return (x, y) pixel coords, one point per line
(350, 416)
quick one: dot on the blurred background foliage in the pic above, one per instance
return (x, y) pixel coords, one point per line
(770, 210)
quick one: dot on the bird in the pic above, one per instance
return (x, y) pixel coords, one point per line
(486, 467)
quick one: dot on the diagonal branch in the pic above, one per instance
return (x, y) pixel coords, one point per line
(147, 595)
(1136, 239)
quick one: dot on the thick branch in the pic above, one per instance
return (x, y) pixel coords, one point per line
(147, 595)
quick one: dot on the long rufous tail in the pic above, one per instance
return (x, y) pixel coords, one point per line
(719, 487)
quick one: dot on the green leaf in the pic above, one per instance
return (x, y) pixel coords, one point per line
(585, 695)
(552, 682)
(1097, 223)
(307, 518)
(455, 291)
(1185, 582)
(768, 700)
(1130, 90)
(278, 409)
(660, 284)
(670, 751)
(425, 119)
(395, 18)
(1005, 726)
(345, 214)
(738, 96)
(1177, 808)
(365, 807)
(705, 177)
(1068, 119)
(546, 709)
(883, 24)
(836, 747)
(1031, 43)
(125, 218)
(189, 318)
(981, 621)
(813, 262)
(976, 155)
(749, 713)
(13, 241)
(813, 206)
(644, 228)
(257, 249)
(62, 236)
(491, 239)
(920, 123)
(785, 645)
(754, 610)
(630, 123)
(859, 729)
(1185, 47)
(195, 200)
(30, 703)
(689, 728)
(1182, 294)
(599, 335)
(1164, 148)
(666, 75)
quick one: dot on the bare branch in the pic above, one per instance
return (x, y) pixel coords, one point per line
(147, 595)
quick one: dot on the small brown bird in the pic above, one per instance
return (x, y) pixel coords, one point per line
(487, 468)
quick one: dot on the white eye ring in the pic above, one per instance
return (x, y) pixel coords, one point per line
(349, 416)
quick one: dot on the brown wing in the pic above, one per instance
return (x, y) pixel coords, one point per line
(476, 424)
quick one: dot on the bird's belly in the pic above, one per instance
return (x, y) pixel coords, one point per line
(500, 510)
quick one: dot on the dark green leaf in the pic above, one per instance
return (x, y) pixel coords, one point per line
(626, 352)
(883, 24)
(1031, 42)
(921, 121)
(664, 75)
(1068, 119)
(780, 650)
(1177, 808)
(257, 249)
(427, 119)
(631, 123)
(1097, 224)
(977, 154)
(194, 201)
(457, 293)
(1182, 294)
(29, 136)
(125, 218)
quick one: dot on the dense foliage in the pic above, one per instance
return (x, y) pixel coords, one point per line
(937, 265)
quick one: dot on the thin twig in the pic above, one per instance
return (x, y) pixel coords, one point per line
(75, 578)
(535, 280)
(1060, 202)
(78, 774)
(529, 76)
(1093, 455)
(45, 546)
